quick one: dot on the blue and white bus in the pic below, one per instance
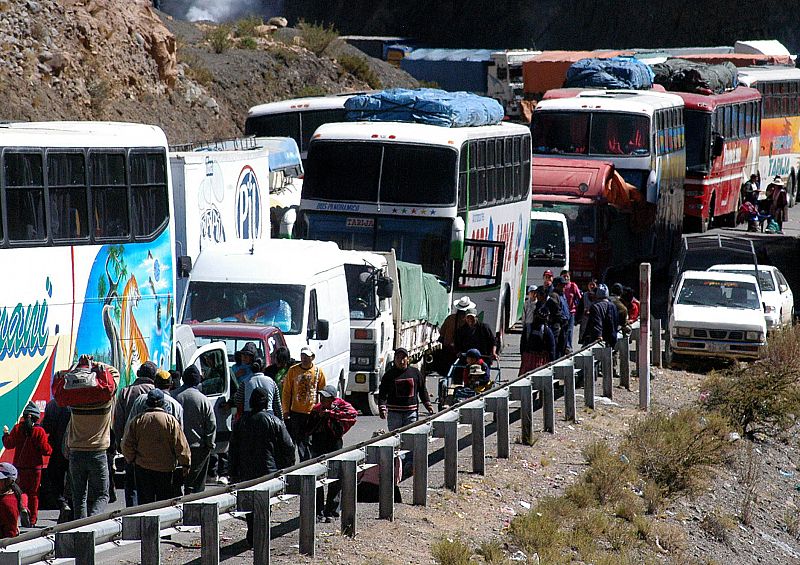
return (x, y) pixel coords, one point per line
(454, 200)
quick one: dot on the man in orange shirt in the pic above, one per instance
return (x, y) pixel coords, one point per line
(298, 396)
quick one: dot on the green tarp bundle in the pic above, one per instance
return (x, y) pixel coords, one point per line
(422, 297)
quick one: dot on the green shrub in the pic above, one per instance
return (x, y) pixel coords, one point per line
(219, 38)
(492, 552)
(677, 450)
(248, 43)
(446, 551)
(316, 38)
(359, 68)
(246, 27)
(310, 90)
(607, 474)
(536, 531)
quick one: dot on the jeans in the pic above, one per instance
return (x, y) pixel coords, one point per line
(89, 477)
(298, 425)
(130, 486)
(196, 479)
(153, 485)
(570, 328)
(397, 419)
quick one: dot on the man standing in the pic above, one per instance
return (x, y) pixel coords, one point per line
(400, 392)
(199, 427)
(750, 190)
(260, 445)
(299, 395)
(445, 357)
(257, 379)
(622, 310)
(529, 311)
(601, 322)
(561, 315)
(547, 282)
(163, 382)
(573, 295)
(331, 418)
(476, 335)
(154, 445)
(122, 409)
(55, 423)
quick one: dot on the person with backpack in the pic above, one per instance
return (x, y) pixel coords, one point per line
(29, 442)
(330, 419)
(13, 503)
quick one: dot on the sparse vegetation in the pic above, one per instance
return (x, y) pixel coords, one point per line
(283, 55)
(219, 37)
(359, 68)
(316, 38)
(248, 43)
(750, 478)
(246, 27)
(195, 70)
(492, 553)
(447, 551)
(717, 526)
(309, 90)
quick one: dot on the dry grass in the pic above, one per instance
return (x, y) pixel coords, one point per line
(449, 551)
(359, 68)
(246, 27)
(219, 38)
(750, 479)
(316, 38)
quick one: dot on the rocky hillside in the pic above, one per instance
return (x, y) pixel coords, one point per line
(122, 60)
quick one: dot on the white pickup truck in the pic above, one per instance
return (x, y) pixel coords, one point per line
(717, 314)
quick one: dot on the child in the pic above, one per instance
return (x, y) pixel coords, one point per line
(29, 442)
(12, 503)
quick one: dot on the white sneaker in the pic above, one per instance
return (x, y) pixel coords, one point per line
(222, 481)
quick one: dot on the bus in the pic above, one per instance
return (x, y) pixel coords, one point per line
(722, 147)
(297, 118)
(641, 133)
(780, 124)
(454, 200)
(87, 240)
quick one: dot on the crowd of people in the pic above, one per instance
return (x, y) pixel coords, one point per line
(766, 214)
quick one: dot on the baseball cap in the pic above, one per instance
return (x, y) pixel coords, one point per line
(559, 280)
(307, 352)
(532, 288)
(548, 272)
(401, 351)
(474, 353)
(328, 391)
(163, 379)
(8, 471)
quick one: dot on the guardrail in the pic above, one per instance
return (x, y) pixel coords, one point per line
(83, 540)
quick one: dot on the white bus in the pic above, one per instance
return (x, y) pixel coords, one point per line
(642, 134)
(454, 200)
(87, 245)
(504, 82)
(780, 124)
(297, 118)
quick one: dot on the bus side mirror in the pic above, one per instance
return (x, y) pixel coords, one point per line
(385, 287)
(717, 145)
(184, 266)
(457, 236)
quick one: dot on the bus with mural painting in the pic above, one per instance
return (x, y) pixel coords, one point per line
(640, 133)
(780, 124)
(87, 243)
(722, 147)
(454, 200)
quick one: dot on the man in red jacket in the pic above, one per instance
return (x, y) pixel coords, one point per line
(29, 442)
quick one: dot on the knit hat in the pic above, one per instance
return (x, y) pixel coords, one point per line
(258, 399)
(32, 409)
(163, 379)
(147, 370)
(155, 398)
(191, 376)
(601, 291)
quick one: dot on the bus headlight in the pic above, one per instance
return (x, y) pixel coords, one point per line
(754, 336)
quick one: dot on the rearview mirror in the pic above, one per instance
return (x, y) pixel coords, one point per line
(323, 329)
(385, 287)
(783, 288)
(184, 266)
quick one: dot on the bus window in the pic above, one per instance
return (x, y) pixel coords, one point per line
(619, 134)
(283, 125)
(25, 196)
(66, 182)
(740, 108)
(109, 195)
(560, 133)
(149, 191)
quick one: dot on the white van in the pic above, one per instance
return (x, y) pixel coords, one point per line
(298, 286)
(549, 245)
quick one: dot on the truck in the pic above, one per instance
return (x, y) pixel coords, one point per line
(297, 286)
(504, 79)
(218, 196)
(392, 304)
(451, 69)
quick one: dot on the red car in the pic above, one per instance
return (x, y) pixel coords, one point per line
(267, 338)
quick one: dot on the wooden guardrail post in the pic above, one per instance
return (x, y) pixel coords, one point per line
(522, 390)
(205, 515)
(585, 362)
(566, 373)
(76, 545)
(383, 453)
(446, 426)
(416, 441)
(497, 402)
(146, 529)
(472, 413)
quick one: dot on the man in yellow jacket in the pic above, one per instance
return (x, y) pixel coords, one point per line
(298, 396)
(154, 443)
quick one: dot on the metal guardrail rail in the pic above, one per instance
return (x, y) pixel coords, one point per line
(83, 540)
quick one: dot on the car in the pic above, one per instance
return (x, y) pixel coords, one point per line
(717, 314)
(775, 292)
(267, 338)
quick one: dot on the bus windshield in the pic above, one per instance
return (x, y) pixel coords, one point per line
(300, 126)
(590, 133)
(279, 305)
(581, 221)
(425, 242)
(361, 292)
(698, 138)
(547, 242)
(393, 173)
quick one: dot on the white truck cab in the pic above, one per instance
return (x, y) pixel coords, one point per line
(717, 314)
(549, 245)
(298, 286)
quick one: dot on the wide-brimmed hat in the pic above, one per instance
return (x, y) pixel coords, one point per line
(463, 304)
(476, 370)
(777, 181)
(249, 348)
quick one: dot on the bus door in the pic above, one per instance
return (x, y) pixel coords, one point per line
(479, 276)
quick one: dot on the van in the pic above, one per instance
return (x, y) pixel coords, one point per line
(297, 286)
(549, 245)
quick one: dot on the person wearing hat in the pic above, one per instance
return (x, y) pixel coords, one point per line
(559, 321)
(400, 391)
(622, 310)
(29, 442)
(163, 382)
(330, 419)
(539, 345)
(199, 427)
(242, 367)
(298, 397)
(780, 202)
(444, 357)
(750, 190)
(547, 281)
(601, 322)
(529, 309)
(155, 445)
(574, 296)
(13, 502)
(475, 334)
(260, 445)
(122, 409)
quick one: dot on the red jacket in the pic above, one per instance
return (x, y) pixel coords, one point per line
(9, 514)
(29, 451)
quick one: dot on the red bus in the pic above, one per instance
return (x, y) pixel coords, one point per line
(722, 148)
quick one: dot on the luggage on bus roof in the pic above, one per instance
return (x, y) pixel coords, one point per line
(617, 72)
(680, 75)
(425, 106)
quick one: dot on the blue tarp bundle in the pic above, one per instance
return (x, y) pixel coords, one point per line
(617, 72)
(425, 106)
